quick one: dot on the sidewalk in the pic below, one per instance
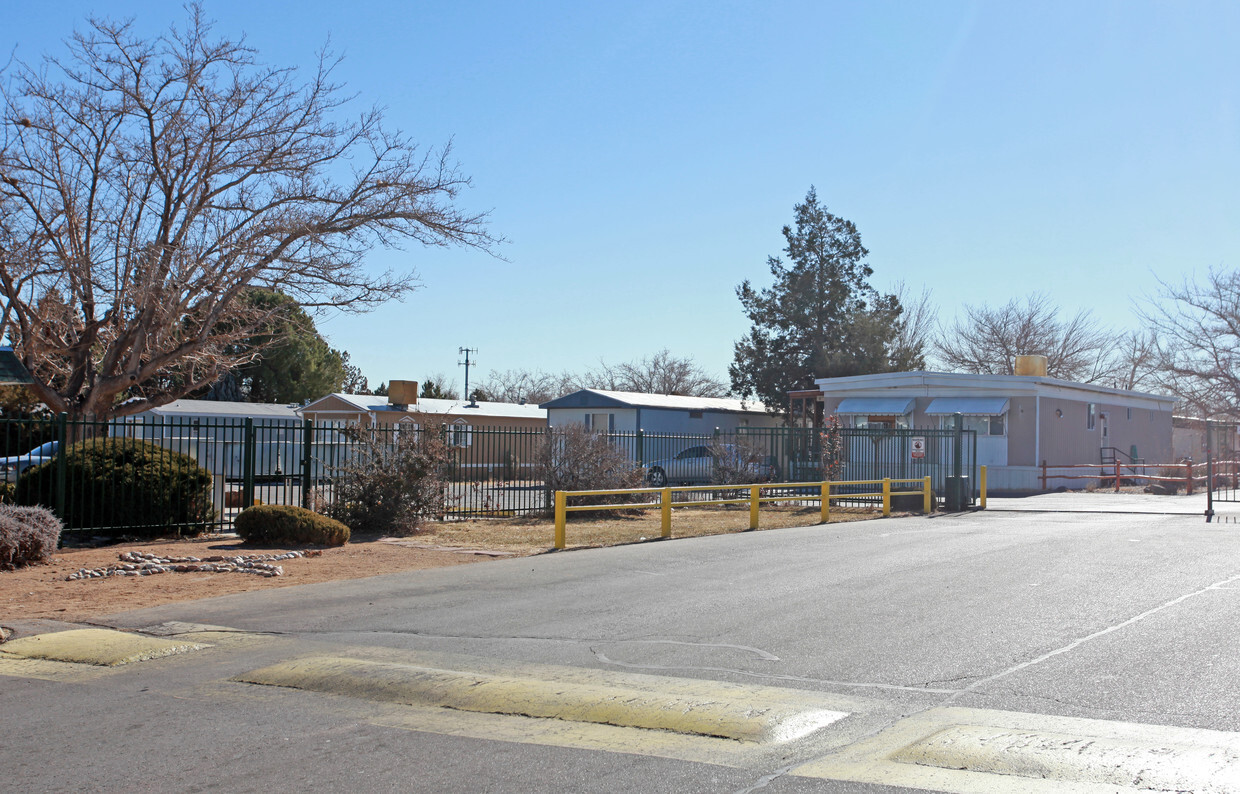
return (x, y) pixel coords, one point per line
(1110, 502)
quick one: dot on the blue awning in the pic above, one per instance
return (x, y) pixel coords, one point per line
(876, 406)
(969, 406)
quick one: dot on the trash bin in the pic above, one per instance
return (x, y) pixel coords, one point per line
(958, 494)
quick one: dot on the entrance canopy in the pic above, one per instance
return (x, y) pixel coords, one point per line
(876, 406)
(969, 406)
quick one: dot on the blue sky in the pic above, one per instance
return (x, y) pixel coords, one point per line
(641, 158)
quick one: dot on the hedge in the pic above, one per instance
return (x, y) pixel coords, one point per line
(289, 524)
(122, 486)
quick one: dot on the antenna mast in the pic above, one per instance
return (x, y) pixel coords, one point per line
(467, 364)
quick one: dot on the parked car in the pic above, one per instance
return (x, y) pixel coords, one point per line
(698, 464)
(13, 466)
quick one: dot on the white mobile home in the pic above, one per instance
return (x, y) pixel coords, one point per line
(1021, 421)
(628, 412)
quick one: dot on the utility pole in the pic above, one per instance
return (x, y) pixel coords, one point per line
(467, 364)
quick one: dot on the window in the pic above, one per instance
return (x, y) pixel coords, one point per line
(460, 434)
(406, 425)
(695, 414)
(982, 425)
(1130, 414)
(601, 423)
(1091, 417)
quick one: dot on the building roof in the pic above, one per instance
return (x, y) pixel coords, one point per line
(602, 398)
(425, 405)
(957, 384)
(225, 409)
(12, 373)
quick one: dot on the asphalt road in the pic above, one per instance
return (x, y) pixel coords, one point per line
(1115, 627)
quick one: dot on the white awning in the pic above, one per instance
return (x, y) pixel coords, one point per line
(876, 406)
(969, 406)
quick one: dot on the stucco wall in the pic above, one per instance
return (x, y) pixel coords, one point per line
(1068, 438)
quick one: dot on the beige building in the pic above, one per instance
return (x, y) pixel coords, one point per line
(402, 405)
(1021, 421)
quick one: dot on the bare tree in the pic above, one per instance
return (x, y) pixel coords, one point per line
(660, 373)
(915, 327)
(520, 385)
(988, 340)
(664, 373)
(1135, 362)
(436, 386)
(145, 184)
(1198, 331)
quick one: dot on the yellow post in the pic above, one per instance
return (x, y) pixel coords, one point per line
(927, 501)
(561, 502)
(825, 504)
(754, 490)
(886, 496)
(665, 507)
(982, 485)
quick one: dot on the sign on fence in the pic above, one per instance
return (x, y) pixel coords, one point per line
(919, 447)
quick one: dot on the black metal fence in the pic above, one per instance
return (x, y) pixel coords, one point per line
(1222, 468)
(493, 472)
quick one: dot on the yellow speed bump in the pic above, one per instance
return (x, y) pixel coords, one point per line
(977, 751)
(1073, 758)
(102, 647)
(734, 716)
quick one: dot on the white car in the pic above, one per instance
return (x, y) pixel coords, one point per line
(697, 465)
(15, 465)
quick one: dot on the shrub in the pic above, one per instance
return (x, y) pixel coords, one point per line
(391, 484)
(512, 465)
(289, 524)
(8, 493)
(572, 458)
(832, 450)
(27, 534)
(124, 486)
(741, 460)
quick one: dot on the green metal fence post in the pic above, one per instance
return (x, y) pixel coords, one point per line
(62, 438)
(247, 465)
(307, 453)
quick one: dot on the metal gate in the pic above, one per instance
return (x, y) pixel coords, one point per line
(1222, 464)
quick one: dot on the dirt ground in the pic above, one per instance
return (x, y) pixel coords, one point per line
(43, 591)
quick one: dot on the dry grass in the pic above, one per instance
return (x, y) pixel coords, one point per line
(41, 591)
(585, 530)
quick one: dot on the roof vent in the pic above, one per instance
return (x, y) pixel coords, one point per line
(1032, 366)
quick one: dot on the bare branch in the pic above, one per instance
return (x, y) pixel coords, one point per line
(146, 184)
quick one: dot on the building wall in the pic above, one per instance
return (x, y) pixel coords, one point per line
(334, 410)
(659, 420)
(1022, 430)
(623, 420)
(663, 420)
(1148, 430)
(1068, 439)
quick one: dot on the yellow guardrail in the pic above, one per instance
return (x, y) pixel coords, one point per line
(754, 499)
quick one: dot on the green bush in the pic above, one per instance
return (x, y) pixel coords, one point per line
(121, 486)
(289, 524)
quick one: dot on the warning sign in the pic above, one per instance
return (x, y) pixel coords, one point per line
(919, 446)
